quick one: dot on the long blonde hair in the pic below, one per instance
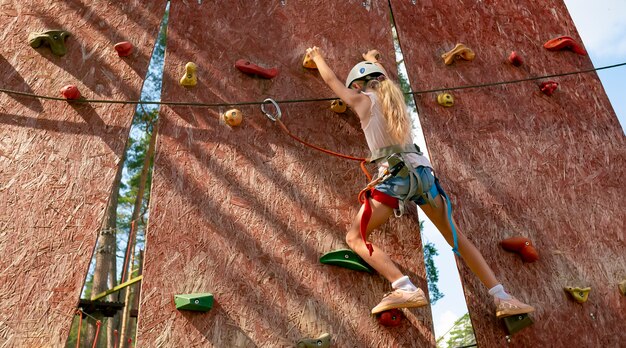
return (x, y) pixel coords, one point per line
(393, 107)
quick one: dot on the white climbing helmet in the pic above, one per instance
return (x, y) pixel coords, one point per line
(363, 69)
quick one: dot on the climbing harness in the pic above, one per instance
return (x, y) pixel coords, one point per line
(398, 166)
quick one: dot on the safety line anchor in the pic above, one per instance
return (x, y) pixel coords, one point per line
(269, 115)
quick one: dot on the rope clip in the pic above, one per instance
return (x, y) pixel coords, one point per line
(269, 115)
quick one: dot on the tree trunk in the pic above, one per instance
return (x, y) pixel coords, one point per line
(105, 253)
(124, 331)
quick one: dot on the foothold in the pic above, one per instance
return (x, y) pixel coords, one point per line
(338, 106)
(459, 51)
(70, 92)
(201, 302)
(445, 99)
(515, 59)
(564, 42)
(548, 87)
(308, 62)
(517, 322)
(392, 317)
(622, 287)
(190, 78)
(124, 48)
(253, 69)
(523, 246)
(346, 258)
(581, 295)
(233, 117)
(55, 39)
(323, 341)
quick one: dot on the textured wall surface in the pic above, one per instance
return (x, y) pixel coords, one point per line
(58, 160)
(518, 162)
(245, 213)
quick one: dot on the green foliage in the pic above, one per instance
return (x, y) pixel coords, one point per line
(461, 334)
(432, 273)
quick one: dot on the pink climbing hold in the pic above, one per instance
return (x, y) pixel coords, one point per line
(515, 59)
(548, 87)
(124, 48)
(563, 43)
(70, 92)
(253, 69)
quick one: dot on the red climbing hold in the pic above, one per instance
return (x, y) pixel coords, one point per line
(124, 48)
(515, 59)
(253, 69)
(392, 317)
(548, 87)
(523, 246)
(70, 92)
(564, 42)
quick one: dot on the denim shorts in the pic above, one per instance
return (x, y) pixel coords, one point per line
(398, 187)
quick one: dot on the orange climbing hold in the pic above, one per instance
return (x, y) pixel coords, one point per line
(460, 51)
(233, 117)
(338, 106)
(190, 79)
(564, 43)
(308, 62)
(70, 92)
(522, 246)
(124, 48)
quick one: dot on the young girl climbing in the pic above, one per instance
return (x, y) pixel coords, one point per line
(379, 104)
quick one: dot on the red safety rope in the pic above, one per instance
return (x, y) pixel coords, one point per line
(332, 153)
(80, 326)
(95, 339)
(115, 340)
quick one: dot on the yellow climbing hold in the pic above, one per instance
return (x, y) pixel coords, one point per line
(445, 99)
(579, 294)
(233, 117)
(459, 51)
(190, 78)
(308, 62)
(338, 106)
(622, 287)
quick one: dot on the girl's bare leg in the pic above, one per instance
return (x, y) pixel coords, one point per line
(379, 260)
(472, 257)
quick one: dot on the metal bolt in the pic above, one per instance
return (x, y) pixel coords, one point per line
(346, 256)
(508, 338)
(592, 316)
(196, 301)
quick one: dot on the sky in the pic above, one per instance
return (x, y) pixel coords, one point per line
(602, 26)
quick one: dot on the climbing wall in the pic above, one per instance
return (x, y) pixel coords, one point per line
(245, 213)
(58, 160)
(519, 163)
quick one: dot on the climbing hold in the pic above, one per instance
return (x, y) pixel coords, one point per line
(445, 99)
(548, 87)
(622, 287)
(308, 62)
(70, 92)
(253, 69)
(459, 51)
(55, 39)
(338, 106)
(564, 42)
(515, 59)
(523, 246)
(579, 294)
(346, 258)
(189, 79)
(322, 341)
(517, 322)
(233, 117)
(124, 48)
(201, 302)
(392, 317)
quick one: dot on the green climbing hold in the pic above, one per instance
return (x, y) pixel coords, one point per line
(321, 342)
(201, 302)
(55, 39)
(517, 322)
(346, 258)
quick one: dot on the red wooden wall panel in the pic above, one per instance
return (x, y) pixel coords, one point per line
(517, 162)
(58, 160)
(245, 213)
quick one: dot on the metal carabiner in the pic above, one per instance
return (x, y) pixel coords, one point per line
(269, 115)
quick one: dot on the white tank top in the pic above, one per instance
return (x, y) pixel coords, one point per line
(377, 135)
